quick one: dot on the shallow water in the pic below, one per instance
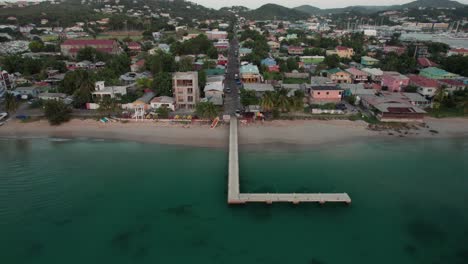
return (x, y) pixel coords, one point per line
(124, 202)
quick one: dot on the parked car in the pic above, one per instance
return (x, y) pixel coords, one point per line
(341, 106)
(228, 90)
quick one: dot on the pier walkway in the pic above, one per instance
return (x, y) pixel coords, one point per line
(235, 197)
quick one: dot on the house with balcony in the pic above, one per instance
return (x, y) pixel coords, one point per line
(295, 50)
(374, 74)
(369, 62)
(426, 87)
(452, 85)
(358, 76)
(102, 91)
(325, 94)
(437, 73)
(394, 81)
(342, 52)
(186, 90)
(163, 101)
(338, 75)
(250, 74)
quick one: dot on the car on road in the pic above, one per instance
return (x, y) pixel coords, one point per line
(238, 113)
(228, 90)
(341, 106)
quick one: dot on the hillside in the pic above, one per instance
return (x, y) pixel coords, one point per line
(272, 11)
(433, 3)
(311, 10)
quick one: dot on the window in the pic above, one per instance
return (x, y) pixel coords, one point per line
(339, 93)
(190, 90)
(318, 93)
(189, 98)
(328, 93)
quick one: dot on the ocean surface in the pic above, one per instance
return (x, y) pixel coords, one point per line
(89, 201)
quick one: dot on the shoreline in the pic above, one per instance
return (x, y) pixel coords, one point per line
(296, 133)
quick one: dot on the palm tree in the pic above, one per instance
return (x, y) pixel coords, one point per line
(207, 110)
(10, 103)
(439, 97)
(268, 101)
(282, 100)
(297, 101)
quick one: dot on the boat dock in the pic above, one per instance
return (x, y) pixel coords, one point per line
(236, 197)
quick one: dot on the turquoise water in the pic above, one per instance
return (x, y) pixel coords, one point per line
(123, 202)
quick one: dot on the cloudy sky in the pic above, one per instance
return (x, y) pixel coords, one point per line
(294, 3)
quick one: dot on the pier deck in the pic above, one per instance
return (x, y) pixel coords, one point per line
(235, 197)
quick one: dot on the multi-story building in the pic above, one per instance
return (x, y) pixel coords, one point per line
(6, 81)
(337, 75)
(71, 46)
(295, 50)
(342, 52)
(185, 88)
(215, 34)
(394, 81)
(250, 74)
(357, 75)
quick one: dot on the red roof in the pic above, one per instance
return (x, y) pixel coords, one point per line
(425, 62)
(422, 81)
(453, 82)
(461, 50)
(90, 42)
(105, 50)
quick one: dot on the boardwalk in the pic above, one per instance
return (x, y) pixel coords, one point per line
(235, 197)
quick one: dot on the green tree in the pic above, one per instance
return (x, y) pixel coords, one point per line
(207, 110)
(160, 62)
(108, 106)
(11, 104)
(56, 112)
(268, 101)
(163, 112)
(297, 101)
(36, 46)
(332, 61)
(185, 64)
(202, 82)
(248, 97)
(162, 84)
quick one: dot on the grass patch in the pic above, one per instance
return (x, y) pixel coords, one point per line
(296, 81)
(446, 112)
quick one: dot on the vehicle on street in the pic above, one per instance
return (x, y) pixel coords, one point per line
(341, 107)
(228, 90)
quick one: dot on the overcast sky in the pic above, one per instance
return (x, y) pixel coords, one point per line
(293, 3)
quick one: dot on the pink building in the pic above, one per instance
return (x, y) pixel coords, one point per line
(394, 81)
(397, 49)
(358, 76)
(295, 50)
(222, 60)
(325, 94)
(273, 68)
(134, 46)
(213, 35)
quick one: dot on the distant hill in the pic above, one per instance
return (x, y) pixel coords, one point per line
(433, 3)
(311, 10)
(272, 11)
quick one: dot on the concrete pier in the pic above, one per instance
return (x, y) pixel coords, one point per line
(235, 197)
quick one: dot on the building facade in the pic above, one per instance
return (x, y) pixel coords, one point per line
(186, 90)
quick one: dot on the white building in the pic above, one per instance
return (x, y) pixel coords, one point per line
(102, 91)
(160, 101)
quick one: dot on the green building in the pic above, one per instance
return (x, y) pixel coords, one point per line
(367, 61)
(436, 73)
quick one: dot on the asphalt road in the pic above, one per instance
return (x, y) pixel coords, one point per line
(232, 99)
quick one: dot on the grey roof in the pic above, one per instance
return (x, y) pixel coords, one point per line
(323, 88)
(259, 87)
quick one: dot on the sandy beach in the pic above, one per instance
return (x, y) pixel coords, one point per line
(309, 132)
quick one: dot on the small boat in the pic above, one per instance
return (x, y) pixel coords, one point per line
(215, 123)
